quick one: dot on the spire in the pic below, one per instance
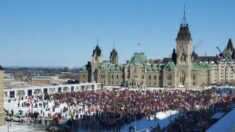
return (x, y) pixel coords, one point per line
(97, 41)
(174, 56)
(230, 45)
(194, 56)
(97, 49)
(184, 33)
(113, 44)
(113, 58)
(184, 17)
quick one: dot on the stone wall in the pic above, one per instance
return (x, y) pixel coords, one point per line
(2, 113)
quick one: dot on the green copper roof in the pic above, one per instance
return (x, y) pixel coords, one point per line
(138, 59)
(107, 66)
(153, 68)
(200, 66)
(170, 66)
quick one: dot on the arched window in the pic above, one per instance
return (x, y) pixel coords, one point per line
(194, 76)
(169, 79)
(182, 78)
(135, 70)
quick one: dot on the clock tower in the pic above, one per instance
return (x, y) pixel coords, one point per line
(183, 61)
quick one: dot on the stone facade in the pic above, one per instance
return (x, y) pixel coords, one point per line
(221, 73)
(181, 70)
(2, 112)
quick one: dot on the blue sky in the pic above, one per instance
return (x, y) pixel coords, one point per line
(63, 33)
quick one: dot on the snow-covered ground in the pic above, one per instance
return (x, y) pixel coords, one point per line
(13, 105)
(163, 118)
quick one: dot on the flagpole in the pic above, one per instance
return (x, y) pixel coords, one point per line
(139, 45)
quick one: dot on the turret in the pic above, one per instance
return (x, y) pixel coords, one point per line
(230, 45)
(113, 58)
(96, 61)
(97, 55)
(174, 56)
(194, 56)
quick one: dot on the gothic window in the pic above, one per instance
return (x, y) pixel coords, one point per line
(155, 77)
(182, 78)
(183, 57)
(169, 79)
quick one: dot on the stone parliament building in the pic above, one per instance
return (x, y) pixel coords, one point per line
(184, 69)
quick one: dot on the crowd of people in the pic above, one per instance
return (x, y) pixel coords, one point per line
(114, 108)
(201, 120)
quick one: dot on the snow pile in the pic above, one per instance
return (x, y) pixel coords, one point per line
(163, 118)
(163, 115)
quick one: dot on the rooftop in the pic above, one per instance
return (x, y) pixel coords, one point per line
(138, 59)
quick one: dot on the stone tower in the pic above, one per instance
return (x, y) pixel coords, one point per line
(96, 61)
(2, 113)
(183, 62)
(113, 58)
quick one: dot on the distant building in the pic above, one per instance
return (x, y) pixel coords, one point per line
(41, 79)
(8, 78)
(2, 112)
(46, 80)
(222, 72)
